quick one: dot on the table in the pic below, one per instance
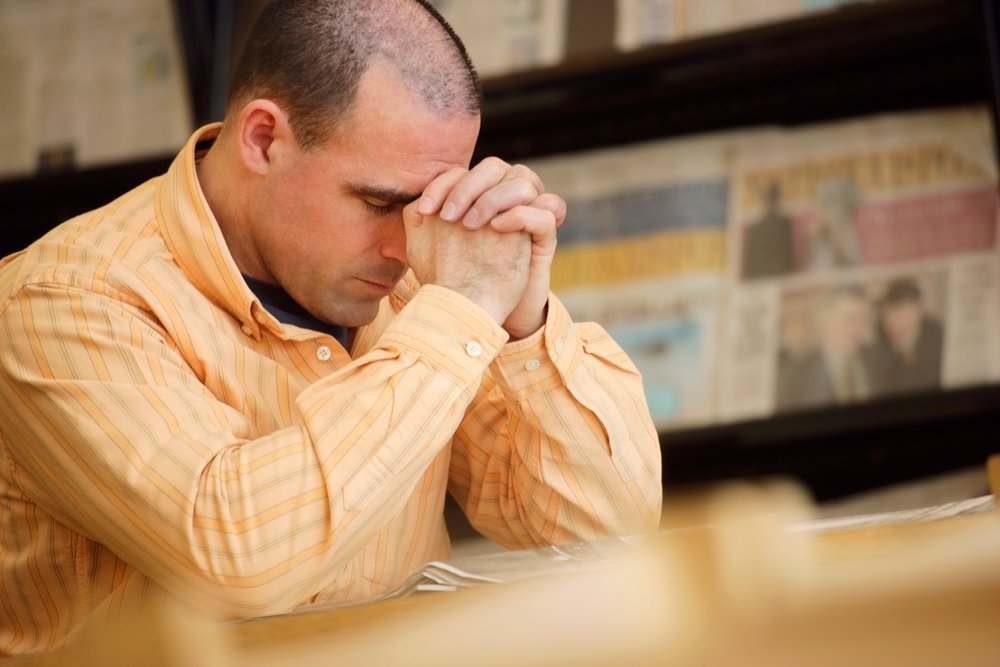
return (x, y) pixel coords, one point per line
(726, 587)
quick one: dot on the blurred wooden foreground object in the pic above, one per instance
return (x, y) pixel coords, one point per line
(733, 579)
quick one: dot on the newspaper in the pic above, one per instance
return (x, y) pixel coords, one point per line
(966, 507)
(643, 253)
(759, 271)
(90, 82)
(643, 22)
(508, 566)
(863, 262)
(508, 35)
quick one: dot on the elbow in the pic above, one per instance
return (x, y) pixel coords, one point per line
(638, 506)
(244, 590)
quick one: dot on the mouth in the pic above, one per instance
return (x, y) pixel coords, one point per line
(379, 285)
(382, 279)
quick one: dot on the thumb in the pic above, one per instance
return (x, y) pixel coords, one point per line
(411, 218)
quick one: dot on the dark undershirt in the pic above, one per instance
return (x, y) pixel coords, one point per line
(287, 311)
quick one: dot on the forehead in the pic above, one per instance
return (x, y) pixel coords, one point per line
(902, 306)
(390, 133)
(846, 305)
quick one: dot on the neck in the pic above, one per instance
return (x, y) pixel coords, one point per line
(220, 181)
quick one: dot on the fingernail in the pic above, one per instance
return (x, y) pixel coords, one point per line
(425, 206)
(448, 212)
(470, 219)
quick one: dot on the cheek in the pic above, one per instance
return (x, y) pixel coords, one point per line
(295, 237)
(312, 219)
(894, 323)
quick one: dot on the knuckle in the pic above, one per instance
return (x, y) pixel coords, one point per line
(492, 169)
(462, 193)
(526, 191)
(496, 164)
(523, 171)
(555, 204)
(549, 202)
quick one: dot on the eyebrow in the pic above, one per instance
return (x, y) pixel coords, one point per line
(387, 195)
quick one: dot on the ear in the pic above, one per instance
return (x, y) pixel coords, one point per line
(262, 131)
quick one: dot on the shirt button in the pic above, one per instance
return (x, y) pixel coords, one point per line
(532, 364)
(246, 329)
(259, 316)
(473, 349)
(323, 353)
(559, 345)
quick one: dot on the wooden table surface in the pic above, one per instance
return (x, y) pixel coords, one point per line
(710, 595)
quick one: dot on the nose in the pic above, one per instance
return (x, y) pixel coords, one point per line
(394, 241)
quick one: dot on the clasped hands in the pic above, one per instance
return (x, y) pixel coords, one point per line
(488, 233)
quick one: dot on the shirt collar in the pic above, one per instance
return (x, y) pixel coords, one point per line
(192, 234)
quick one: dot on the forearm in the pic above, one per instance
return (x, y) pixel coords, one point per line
(562, 447)
(218, 508)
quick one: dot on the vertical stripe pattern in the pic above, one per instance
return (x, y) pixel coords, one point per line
(163, 437)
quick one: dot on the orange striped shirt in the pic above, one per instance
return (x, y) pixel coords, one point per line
(163, 435)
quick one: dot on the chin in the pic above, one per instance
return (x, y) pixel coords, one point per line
(355, 317)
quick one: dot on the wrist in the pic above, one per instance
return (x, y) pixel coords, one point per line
(520, 327)
(491, 306)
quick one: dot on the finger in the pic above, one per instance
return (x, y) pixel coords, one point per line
(519, 171)
(433, 196)
(552, 203)
(539, 223)
(502, 197)
(413, 215)
(471, 186)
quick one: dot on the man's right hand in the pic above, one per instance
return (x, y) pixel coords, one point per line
(487, 267)
(510, 199)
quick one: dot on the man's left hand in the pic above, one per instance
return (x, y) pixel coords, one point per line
(509, 198)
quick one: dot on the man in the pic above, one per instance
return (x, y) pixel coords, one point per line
(839, 368)
(910, 343)
(769, 248)
(832, 237)
(226, 387)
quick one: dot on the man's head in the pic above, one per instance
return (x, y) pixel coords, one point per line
(309, 56)
(772, 196)
(845, 321)
(839, 195)
(902, 313)
(342, 112)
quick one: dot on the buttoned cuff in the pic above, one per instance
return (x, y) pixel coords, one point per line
(544, 359)
(449, 330)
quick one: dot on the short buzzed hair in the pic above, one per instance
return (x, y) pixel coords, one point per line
(310, 55)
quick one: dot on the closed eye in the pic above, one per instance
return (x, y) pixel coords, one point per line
(378, 209)
(382, 200)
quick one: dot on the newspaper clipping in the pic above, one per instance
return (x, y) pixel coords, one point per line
(643, 254)
(643, 22)
(769, 270)
(863, 262)
(508, 35)
(90, 82)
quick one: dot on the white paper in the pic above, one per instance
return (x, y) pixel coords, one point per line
(102, 79)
